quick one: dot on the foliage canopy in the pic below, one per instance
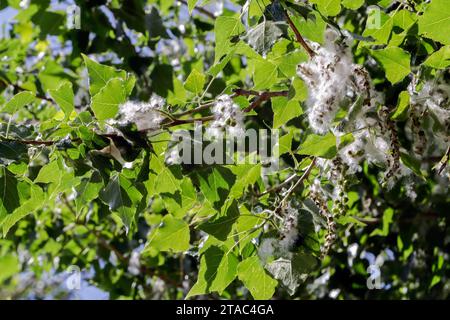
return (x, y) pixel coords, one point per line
(358, 91)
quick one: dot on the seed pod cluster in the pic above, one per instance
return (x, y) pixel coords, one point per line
(393, 159)
(419, 138)
(338, 178)
(330, 237)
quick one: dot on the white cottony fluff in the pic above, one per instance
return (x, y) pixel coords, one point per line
(327, 76)
(282, 248)
(24, 4)
(434, 98)
(289, 231)
(146, 115)
(332, 77)
(227, 116)
(134, 264)
(173, 156)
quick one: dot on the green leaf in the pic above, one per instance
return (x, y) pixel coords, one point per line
(9, 266)
(215, 185)
(345, 140)
(381, 32)
(292, 272)
(122, 197)
(180, 202)
(248, 226)
(218, 268)
(225, 28)
(401, 111)
(434, 23)
(312, 29)
(178, 94)
(171, 235)
(298, 90)
(263, 36)
(11, 151)
(49, 22)
(9, 192)
(255, 279)
(49, 173)
(105, 103)
(439, 59)
(287, 62)
(404, 19)
(352, 4)
(221, 226)
(284, 144)
(18, 101)
(217, 67)
(36, 201)
(191, 5)
(100, 75)
(168, 179)
(387, 220)
(395, 61)
(195, 82)
(284, 110)
(246, 175)
(53, 74)
(64, 96)
(167, 182)
(319, 146)
(328, 7)
(411, 162)
(87, 191)
(265, 74)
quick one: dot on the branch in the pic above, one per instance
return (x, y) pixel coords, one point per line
(174, 120)
(443, 163)
(260, 97)
(304, 176)
(299, 37)
(200, 9)
(236, 93)
(268, 94)
(279, 186)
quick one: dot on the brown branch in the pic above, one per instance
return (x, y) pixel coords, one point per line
(278, 187)
(260, 97)
(200, 9)
(268, 94)
(195, 110)
(444, 161)
(303, 177)
(299, 37)
(30, 142)
(236, 93)
(174, 120)
(300, 181)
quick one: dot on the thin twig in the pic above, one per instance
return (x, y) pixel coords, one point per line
(444, 161)
(174, 120)
(298, 183)
(261, 97)
(200, 9)
(268, 94)
(279, 186)
(30, 142)
(299, 37)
